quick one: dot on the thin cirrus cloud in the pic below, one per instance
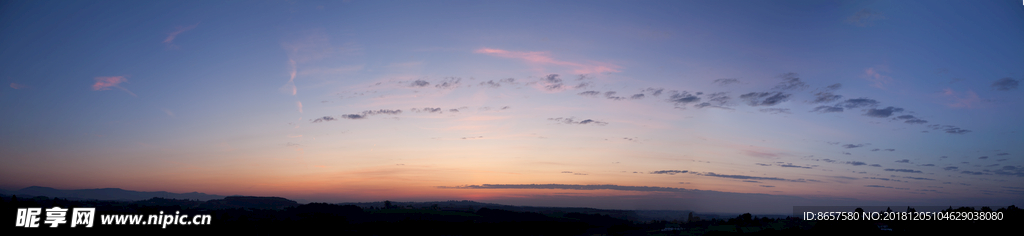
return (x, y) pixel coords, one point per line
(170, 37)
(967, 99)
(105, 83)
(544, 58)
(878, 80)
(18, 86)
(864, 17)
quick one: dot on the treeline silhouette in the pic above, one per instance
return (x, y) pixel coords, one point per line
(276, 216)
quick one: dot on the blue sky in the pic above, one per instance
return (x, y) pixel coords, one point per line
(608, 104)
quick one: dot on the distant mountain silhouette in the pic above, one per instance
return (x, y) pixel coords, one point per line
(110, 194)
(245, 202)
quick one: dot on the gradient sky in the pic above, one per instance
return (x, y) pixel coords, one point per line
(724, 106)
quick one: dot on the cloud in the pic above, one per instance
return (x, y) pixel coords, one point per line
(904, 170)
(589, 93)
(790, 165)
(909, 119)
(971, 172)
(765, 99)
(683, 98)
(324, 119)
(776, 110)
(574, 121)
(983, 157)
(823, 97)
(879, 80)
(1011, 171)
(383, 112)
(611, 95)
(569, 187)
(544, 58)
(712, 174)
(864, 17)
(419, 83)
(903, 161)
(299, 104)
(724, 82)
(1005, 84)
(353, 116)
(449, 83)
(669, 172)
(105, 83)
(178, 30)
(790, 81)
(827, 95)
(917, 178)
(858, 102)
(951, 168)
(949, 129)
(18, 86)
(967, 100)
(653, 91)
(882, 113)
(499, 83)
(718, 100)
(855, 145)
(552, 82)
(637, 96)
(428, 110)
(827, 109)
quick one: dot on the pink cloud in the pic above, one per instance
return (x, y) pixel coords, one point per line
(18, 86)
(179, 30)
(967, 100)
(105, 83)
(880, 81)
(545, 58)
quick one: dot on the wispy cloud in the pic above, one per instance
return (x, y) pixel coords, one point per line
(765, 99)
(105, 83)
(178, 30)
(669, 172)
(569, 186)
(878, 80)
(545, 58)
(882, 113)
(1005, 84)
(574, 121)
(864, 17)
(18, 86)
(965, 100)
(726, 81)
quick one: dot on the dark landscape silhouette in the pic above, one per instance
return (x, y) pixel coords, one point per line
(275, 215)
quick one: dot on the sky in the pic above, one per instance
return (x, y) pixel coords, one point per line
(713, 106)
